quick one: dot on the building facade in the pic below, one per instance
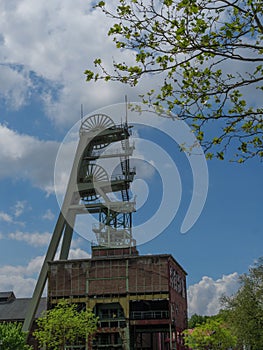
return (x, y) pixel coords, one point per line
(141, 301)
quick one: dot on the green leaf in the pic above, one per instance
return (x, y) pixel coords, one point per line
(101, 4)
(89, 75)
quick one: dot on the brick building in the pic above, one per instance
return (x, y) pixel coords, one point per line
(140, 300)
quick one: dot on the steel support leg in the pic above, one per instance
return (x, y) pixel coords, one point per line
(52, 249)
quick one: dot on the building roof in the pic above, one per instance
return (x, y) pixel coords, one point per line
(16, 308)
(6, 296)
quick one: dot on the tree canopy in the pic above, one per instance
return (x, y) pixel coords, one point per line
(64, 325)
(12, 337)
(239, 322)
(197, 320)
(208, 56)
(244, 310)
(213, 334)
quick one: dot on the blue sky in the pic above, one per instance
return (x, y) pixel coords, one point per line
(45, 46)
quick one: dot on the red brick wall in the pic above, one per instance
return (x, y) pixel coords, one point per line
(112, 276)
(178, 297)
(68, 278)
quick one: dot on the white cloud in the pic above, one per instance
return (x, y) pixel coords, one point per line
(19, 208)
(78, 254)
(20, 285)
(34, 266)
(48, 215)
(26, 157)
(56, 41)
(5, 217)
(145, 168)
(14, 86)
(20, 279)
(204, 296)
(35, 239)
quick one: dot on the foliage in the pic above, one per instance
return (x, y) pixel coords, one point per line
(196, 320)
(212, 335)
(244, 310)
(64, 324)
(208, 55)
(12, 337)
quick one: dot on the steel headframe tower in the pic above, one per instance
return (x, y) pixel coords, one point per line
(88, 192)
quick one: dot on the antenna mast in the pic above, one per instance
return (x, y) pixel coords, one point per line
(126, 110)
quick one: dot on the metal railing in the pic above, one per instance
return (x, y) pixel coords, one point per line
(146, 315)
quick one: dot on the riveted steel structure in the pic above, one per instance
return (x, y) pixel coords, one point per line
(140, 300)
(88, 193)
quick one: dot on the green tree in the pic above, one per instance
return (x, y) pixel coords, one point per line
(212, 335)
(196, 320)
(64, 325)
(208, 54)
(244, 310)
(12, 337)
